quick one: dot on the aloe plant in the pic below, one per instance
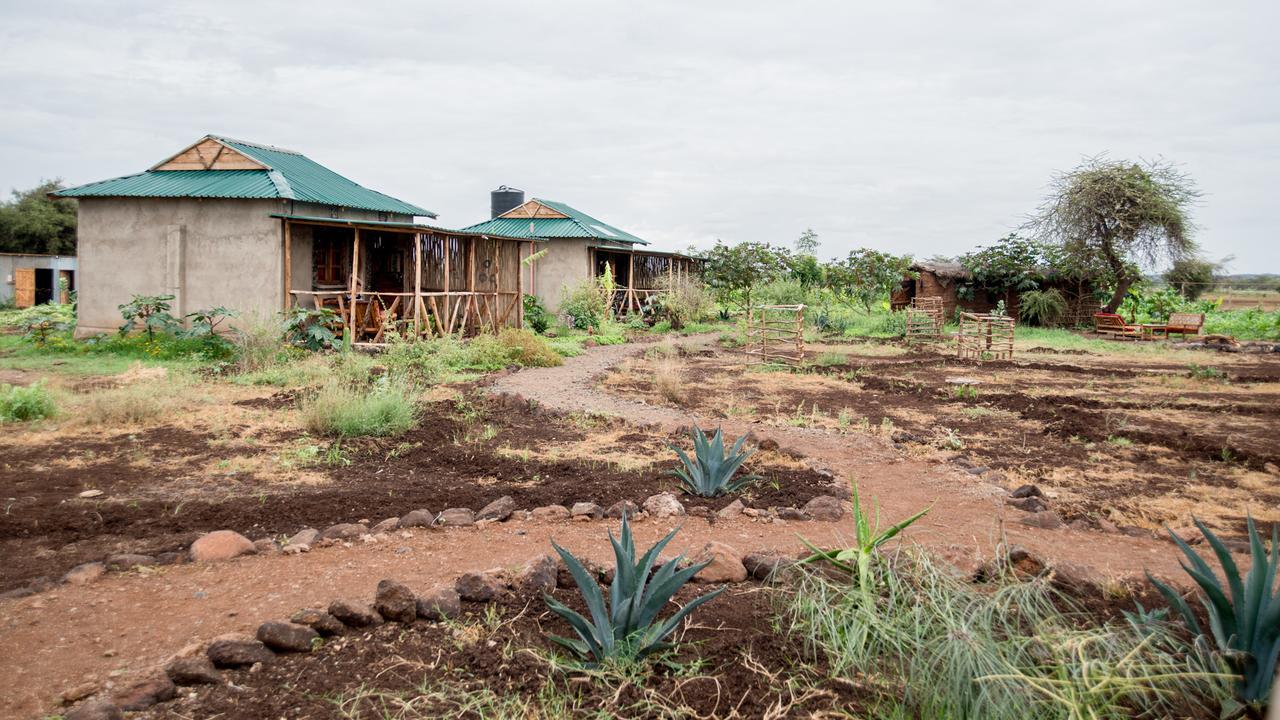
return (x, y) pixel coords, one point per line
(628, 626)
(1244, 617)
(857, 559)
(710, 472)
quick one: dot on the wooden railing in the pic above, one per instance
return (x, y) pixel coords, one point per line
(426, 314)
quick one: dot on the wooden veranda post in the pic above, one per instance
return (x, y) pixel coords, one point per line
(355, 273)
(288, 263)
(417, 284)
(631, 282)
(446, 326)
(520, 285)
(471, 283)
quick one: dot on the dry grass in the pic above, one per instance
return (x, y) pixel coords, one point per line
(134, 404)
(668, 380)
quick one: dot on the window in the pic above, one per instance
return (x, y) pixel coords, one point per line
(329, 251)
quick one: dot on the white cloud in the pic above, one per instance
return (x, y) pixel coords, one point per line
(925, 127)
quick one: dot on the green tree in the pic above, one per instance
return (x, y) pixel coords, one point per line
(734, 271)
(807, 243)
(865, 276)
(1121, 212)
(32, 222)
(1192, 276)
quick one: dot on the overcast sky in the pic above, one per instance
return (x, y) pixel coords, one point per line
(917, 127)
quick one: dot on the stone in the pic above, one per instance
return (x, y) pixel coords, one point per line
(286, 636)
(564, 578)
(765, 564)
(456, 517)
(1106, 525)
(1023, 561)
(90, 494)
(824, 507)
(1189, 534)
(551, 513)
(266, 546)
(96, 710)
(1075, 580)
(197, 670)
(1046, 519)
(1032, 504)
(724, 564)
(977, 469)
(902, 436)
(172, 557)
(731, 511)
(295, 549)
(663, 505)
(220, 545)
(538, 576)
(354, 615)
(84, 573)
(996, 478)
(790, 513)
(385, 526)
(439, 603)
(417, 518)
(79, 692)
(319, 620)
(1025, 491)
(587, 509)
(396, 602)
(479, 586)
(344, 531)
(615, 510)
(840, 491)
(125, 561)
(237, 650)
(306, 536)
(499, 509)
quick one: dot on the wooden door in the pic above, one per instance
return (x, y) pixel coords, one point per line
(24, 287)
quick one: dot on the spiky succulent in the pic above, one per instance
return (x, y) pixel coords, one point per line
(1244, 617)
(628, 626)
(710, 472)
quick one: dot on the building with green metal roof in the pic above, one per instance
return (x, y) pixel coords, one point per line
(579, 247)
(250, 227)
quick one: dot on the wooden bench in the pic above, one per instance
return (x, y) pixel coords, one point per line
(1115, 326)
(1184, 324)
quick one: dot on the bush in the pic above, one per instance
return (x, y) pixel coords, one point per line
(258, 344)
(587, 303)
(24, 404)
(44, 322)
(683, 301)
(385, 409)
(536, 315)
(311, 328)
(1042, 307)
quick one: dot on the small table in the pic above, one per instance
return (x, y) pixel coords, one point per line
(1151, 331)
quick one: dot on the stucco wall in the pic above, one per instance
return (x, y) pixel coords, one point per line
(566, 264)
(207, 253)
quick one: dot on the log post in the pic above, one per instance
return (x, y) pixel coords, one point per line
(520, 286)
(497, 283)
(355, 273)
(417, 284)
(447, 243)
(471, 283)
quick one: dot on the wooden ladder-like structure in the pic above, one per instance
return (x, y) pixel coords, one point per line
(985, 337)
(924, 320)
(775, 334)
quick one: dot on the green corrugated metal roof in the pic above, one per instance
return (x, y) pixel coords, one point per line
(578, 224)
(291, 176)
(392, 225)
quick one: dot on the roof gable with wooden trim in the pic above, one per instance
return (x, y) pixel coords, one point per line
(210, 153)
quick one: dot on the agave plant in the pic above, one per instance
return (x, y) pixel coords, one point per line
(710, 472)
(1244, 617)
(628, 626)
(857, 559)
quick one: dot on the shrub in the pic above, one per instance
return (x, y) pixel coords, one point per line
(258, 344)
(710, 472)
(45, 322)
(587, 303)
(311, 328)
(149, 311)
(346, 411)
(536, 315)
(683, 301)
(1244, 617)
(626, 628)
(1042, 307)
(24, 404)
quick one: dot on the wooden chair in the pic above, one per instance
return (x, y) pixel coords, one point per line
(1184, 324)
(1114, 326)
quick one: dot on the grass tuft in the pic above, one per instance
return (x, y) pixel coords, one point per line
(24, 404)
(344, 410)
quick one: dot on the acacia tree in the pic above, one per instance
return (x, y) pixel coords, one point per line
(1121, 213)
(33, 222)
(734, 271)
(865, 276)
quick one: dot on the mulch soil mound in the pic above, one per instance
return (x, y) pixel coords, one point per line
(730, 662)
(446, 461)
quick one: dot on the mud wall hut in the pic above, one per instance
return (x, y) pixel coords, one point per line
(953, 284)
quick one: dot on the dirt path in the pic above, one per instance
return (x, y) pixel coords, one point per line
(967, 514)
(125, 624)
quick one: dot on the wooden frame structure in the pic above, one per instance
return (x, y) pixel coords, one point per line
(459, 283)
(985, 337)
(647, 273)
(924, 319)
(775, 333)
